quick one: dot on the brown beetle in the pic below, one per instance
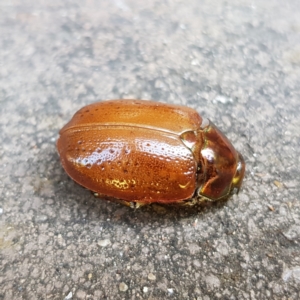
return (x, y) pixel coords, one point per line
(142, 152)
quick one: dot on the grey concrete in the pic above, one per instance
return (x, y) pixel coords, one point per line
(237, 62)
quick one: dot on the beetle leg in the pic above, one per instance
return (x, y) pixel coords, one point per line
(139, 204)
(195, 200)
(190, 202)
(131, 204)
(123, 202)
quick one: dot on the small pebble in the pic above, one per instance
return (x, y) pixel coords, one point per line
(222, 99)
(151, 276)
(170, 292)
(145, 289)
(69, 296)
(104, 243)
(123, 287)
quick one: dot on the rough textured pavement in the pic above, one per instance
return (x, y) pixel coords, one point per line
(236, 62)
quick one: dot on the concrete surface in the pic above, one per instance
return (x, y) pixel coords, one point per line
(237, 62)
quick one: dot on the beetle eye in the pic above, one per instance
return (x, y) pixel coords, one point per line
(236, 178)
(239, 174)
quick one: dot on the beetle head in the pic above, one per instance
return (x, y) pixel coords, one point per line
(222, 169)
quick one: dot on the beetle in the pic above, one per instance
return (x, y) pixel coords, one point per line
(141, 152)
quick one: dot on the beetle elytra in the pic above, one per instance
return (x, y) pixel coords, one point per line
(143, 152)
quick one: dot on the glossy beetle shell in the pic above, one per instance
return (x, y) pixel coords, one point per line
(145, 151)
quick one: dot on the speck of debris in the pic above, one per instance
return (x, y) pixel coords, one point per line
(123, 287)
(145, 289)
(278, 184)
(271, 208)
